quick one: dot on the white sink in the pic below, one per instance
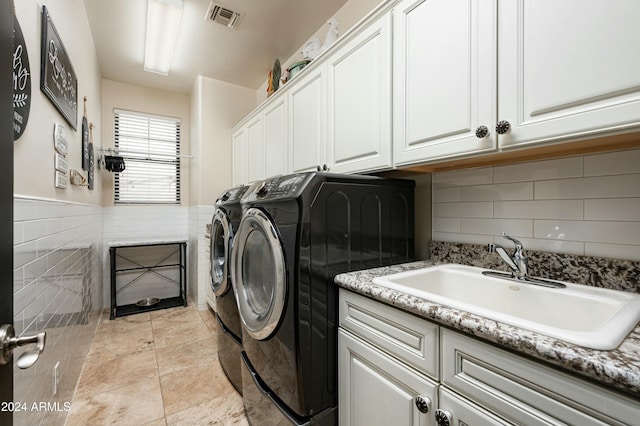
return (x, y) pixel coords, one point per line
(587, 316)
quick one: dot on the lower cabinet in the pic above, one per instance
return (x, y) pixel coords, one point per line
(386, 360)
(376, 389)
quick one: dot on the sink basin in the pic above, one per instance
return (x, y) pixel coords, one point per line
(587, 316)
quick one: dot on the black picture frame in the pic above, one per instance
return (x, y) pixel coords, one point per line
(58, 80)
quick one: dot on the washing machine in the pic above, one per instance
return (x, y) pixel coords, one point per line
(224, 224)
(297, 233)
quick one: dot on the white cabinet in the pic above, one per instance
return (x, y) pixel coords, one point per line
(307, 119)
(568, 69)
(255, 155)
(359, 101)
(538, 65)
(260, 144)
(390, 361)
(239, 152)
(274, 121)
(375, 389)
(526, 392)
(444, 80)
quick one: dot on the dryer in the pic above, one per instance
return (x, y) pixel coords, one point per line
(224, 224)
(296, 234)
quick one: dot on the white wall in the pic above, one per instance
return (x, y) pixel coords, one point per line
(216, 107)
(586, 205)
(34, 151)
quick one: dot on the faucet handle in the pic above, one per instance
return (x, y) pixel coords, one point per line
(491, 248)
(510, 238)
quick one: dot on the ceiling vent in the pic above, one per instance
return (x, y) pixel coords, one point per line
(222, 15)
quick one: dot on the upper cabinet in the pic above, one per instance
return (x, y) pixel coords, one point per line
(307, 119)
(274, 122)
(359, 102)
(568, 69)
(444, 80)
(255, 150)
(239, 152)
(420, 82)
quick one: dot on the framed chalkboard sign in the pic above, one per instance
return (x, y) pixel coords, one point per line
(57, 78)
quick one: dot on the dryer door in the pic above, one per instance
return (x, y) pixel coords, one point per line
(258, 274)
(220, 238)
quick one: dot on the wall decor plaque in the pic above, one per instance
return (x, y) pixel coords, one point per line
(21, 81)
(58, 80)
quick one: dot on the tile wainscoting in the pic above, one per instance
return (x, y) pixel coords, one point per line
(584, 205)
(57, 289)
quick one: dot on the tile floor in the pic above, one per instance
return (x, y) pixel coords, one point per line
(156, 368)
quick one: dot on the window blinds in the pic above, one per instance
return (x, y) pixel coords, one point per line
(150, 146)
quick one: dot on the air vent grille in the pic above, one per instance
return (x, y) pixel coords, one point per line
(222, 15)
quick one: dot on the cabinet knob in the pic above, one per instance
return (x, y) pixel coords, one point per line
(443, 417)
(423, 403)
(503, 127)
(482, 132)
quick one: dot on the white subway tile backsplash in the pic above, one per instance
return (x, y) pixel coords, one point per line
(614, 251)
(614, 163)
(539, 170)
(446, 224)
(592, 187)
(554, 246)
(505, 191)
(446, 195)
(626, 209)
(461, 238)
(589, 231)
(588, 205)
(492, 227)
(463, 178)
(540, 209)
(479, 209)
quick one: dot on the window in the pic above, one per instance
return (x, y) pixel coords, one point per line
(150, 147)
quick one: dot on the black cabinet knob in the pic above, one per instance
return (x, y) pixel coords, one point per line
(503, 127)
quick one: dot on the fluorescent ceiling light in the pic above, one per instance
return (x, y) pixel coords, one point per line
(163, 23)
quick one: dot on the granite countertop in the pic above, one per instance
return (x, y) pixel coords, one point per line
(618, 368)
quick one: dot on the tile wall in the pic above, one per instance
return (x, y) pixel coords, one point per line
(586, 205)
(199, 218)
(57, 289)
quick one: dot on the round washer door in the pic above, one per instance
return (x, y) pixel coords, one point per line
(220, 252)
(258, 274)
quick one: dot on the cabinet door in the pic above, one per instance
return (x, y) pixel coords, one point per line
(374, 389)
(464, 412)
(255, 155)
(275, 138)
(568, 69)
(444, 81)
(239, 148)
(359, 104)
(307, 118)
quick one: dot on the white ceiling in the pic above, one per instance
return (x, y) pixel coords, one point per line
(269, 29)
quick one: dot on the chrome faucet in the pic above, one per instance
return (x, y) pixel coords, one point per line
(519, 265)
(518, 262)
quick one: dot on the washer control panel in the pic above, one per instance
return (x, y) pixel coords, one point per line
(279, 187)
(232, 195)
